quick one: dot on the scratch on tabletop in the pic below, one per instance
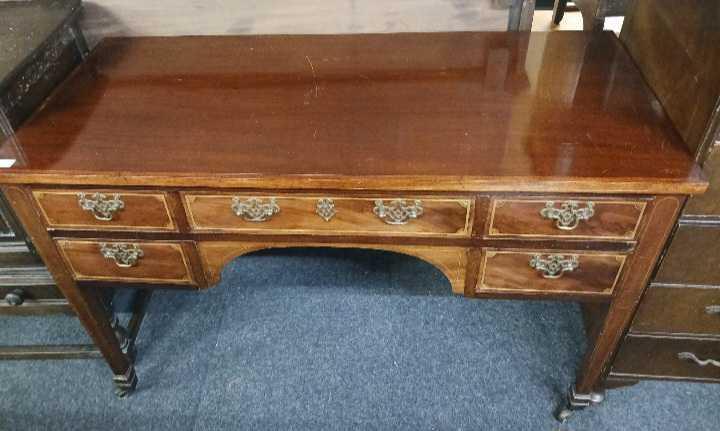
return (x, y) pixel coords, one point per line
(314, 75)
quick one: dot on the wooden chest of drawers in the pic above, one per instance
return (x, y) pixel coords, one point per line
(676, 330)
(390, 142)
(679, 316)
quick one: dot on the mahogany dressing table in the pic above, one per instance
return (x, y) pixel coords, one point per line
(522, 165)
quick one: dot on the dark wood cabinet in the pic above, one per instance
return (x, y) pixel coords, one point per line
(593, 12)
(676, 330)
(37, 58)
(707, 207)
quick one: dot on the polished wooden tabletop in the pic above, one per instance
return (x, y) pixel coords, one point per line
(563, 111)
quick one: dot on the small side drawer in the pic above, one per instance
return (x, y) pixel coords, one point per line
(137, 261)
(329, 215)
(668, 358)
(565, 218)
(105, 210)
(542, 271)
(16, 295)
(679, 310)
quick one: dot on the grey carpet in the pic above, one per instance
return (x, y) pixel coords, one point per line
(335, 340)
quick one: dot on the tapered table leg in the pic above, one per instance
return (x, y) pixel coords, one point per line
(657, 225)
(86, 303)
(559, 11)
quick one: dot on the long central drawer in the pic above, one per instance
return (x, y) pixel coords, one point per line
(280, 214)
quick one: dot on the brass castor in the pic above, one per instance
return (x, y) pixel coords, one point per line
(575, 402)
(125, 384)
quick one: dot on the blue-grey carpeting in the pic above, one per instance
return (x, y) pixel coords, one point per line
(335, 340)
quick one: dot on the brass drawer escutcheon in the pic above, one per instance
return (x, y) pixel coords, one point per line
(398, 211)
(554, 265)
(124, 255)
(101, 207)
(569, 215)
(325, 208)
(254, 209)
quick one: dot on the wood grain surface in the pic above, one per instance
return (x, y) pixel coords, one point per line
(440, 111)
(352, 216)
(141, 211)
(688, 87)
(510, 271)
(162, 262)
(611, 219)
(452, 261)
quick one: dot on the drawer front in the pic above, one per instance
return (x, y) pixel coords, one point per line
(143, 261)
(543, 271)
(105, 210)
(668, 358)
(596, 219)
(679, 310)
(692, 258)
(16, 295)
(335, 215)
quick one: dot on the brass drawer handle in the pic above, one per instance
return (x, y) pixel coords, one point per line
(569, 215)
(254, 209)
(554, 265)
(102, 208)
(398, 211)
(687, 356)
(124, 255)
(325, 208)
(712, 309)
(15, 298)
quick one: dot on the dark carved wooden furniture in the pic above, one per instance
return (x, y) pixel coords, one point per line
(676, 332)
(593, 12)
(162, 159)
(36, 56)
(41, 44)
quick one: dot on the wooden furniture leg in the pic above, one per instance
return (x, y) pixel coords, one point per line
(559, 11)
(85, 351)
(588, 387)
(85, 302)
